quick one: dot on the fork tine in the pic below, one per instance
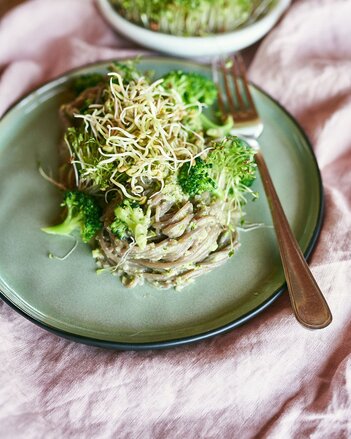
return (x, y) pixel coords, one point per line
(227, 87)
(235, 97)
(235, 74)
(238, 60)
(220, 101)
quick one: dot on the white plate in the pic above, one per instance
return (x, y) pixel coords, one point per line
(194, 46)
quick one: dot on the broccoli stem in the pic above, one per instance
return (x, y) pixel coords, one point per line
(66, 227)
(214, 130)
(83, 213)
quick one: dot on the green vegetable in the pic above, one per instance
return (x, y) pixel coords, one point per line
(189, 17)
(172, 189)
(92, 173)
(119, 228)
(83, 214)
(194, 180)
(227, 172)
(106, 148)
(233, 169)
(235, 157)
(127, 69)
(81, 83)
(215, 130)
(192, 87)
(130, 217)
(85, 107)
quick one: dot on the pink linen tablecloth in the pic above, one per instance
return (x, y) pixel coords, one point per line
(270, 378)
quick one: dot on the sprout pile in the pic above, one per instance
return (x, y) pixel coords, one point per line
(192, 17)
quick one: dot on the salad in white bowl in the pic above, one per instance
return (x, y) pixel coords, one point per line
(193, 28)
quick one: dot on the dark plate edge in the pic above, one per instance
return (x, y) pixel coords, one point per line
(208, 334)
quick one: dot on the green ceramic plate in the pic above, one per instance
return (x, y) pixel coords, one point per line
(68, 298)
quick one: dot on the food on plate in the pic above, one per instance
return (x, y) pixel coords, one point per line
(155, 184)
(192, 17)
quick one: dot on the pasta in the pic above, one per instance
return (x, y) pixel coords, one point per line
(169, 191)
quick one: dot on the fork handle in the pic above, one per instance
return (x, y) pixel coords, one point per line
(307, 300)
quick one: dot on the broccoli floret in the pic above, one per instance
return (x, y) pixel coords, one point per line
(85, 148)
(233, 169)
(127, 69)
(194, 180)
(130, 218)
(228, 171)
(119, 228)
(83, 214)
(172, 191)
(192, 87)
(82, 82)
(234, 156)
(85, 106)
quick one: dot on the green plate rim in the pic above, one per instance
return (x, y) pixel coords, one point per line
(203, 335)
